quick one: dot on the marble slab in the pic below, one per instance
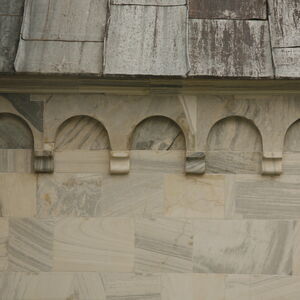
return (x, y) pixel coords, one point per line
(194, 197)
(146, 40)
(11, 7)
(3, 244)
(291, 163)
(243, 246)
(64, 20)
(284, 22)
(30, 245)
(77, 195)
(17, 194)
(228, 48)
(15, 160)
(163, 245)
(53, 57)
(292, 138)
(94, 244)
(233, 9)
(257, 197)
(150, 2)
(287, 62)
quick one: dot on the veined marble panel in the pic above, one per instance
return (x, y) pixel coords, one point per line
(287, 62)
(146, 40)
(59, 57)
(243, 247)
(68, 20)
(250, 196)
(94, 244)
(3, 244)
(150, 2)
(292, 138)
(30, 245)
(229, 48)
(77, 195)
(291, 163)
(262, 287)
(284, 22)
(17, 194)
(194, 197)
(11, 7)
(163, 245)
(192, 286)
(16, 160)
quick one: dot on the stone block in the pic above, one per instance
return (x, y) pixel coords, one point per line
(287, 62)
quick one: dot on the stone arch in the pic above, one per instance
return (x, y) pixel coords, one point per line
(15, 133)
(292, 138)
(81, 133)
(157, 133)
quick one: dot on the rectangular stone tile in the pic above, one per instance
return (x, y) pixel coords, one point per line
(150, 2)
(291, 163)
(146, 40)
(243, 247)
(193, 286)
(16, 160)
(233, 162)
(233, 9)
(82, 161)
(248, 43)
(261, 287)
(30, 245)
(3, 244)
(11, 7)
(129, 286)
(163, 245)
(194, 196)
(287, 62)
(9, 31)
(59, 57)
(51, 286)
(94, 244)
(284, 22)
(262, 197)
(296, 251)
(66, 194)
(17, 194)
(64, 21)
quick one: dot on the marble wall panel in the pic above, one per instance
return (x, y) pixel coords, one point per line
(3, 244)
(150, 2)
(292, 138)
(146, 40)
(77, 195)
(296, 251)
(11, 7)
(229, 48)
(94, 244)
(287, 62)
(17, 194)
(194, 197)
(258, 197)
(16, 160)
(163, 245)
(30, 245)
(243, 247)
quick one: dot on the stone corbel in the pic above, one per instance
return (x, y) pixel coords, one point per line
(119, 162)
(195, 163)
(272, 163)
(43, 161)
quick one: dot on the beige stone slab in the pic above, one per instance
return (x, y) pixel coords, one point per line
(194, 196)
(16, 160)
(18, 194)
(146, 40)
(67, 194)
(3, 244)
(284, 22)
(163, 245)
(292, 138)
(192, 286)
(261, 287)
(243, 247)
(56, 20)
(263, 197)
(296, 251)
(287, 62)
(150, 2)
(59, 57)
(30, 245)
(51, 286)
(94, 244)
(228, 48)
(291, 163)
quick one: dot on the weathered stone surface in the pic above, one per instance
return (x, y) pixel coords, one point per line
(233, 9)
(287, 62)
(228, 48)
(11, 7)
(16, 160)
(9, 31)
(59, 57)
(146, 40)
(150, 2)
(285, 22)
(3, 244)
(292, 138)
(56, 20)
